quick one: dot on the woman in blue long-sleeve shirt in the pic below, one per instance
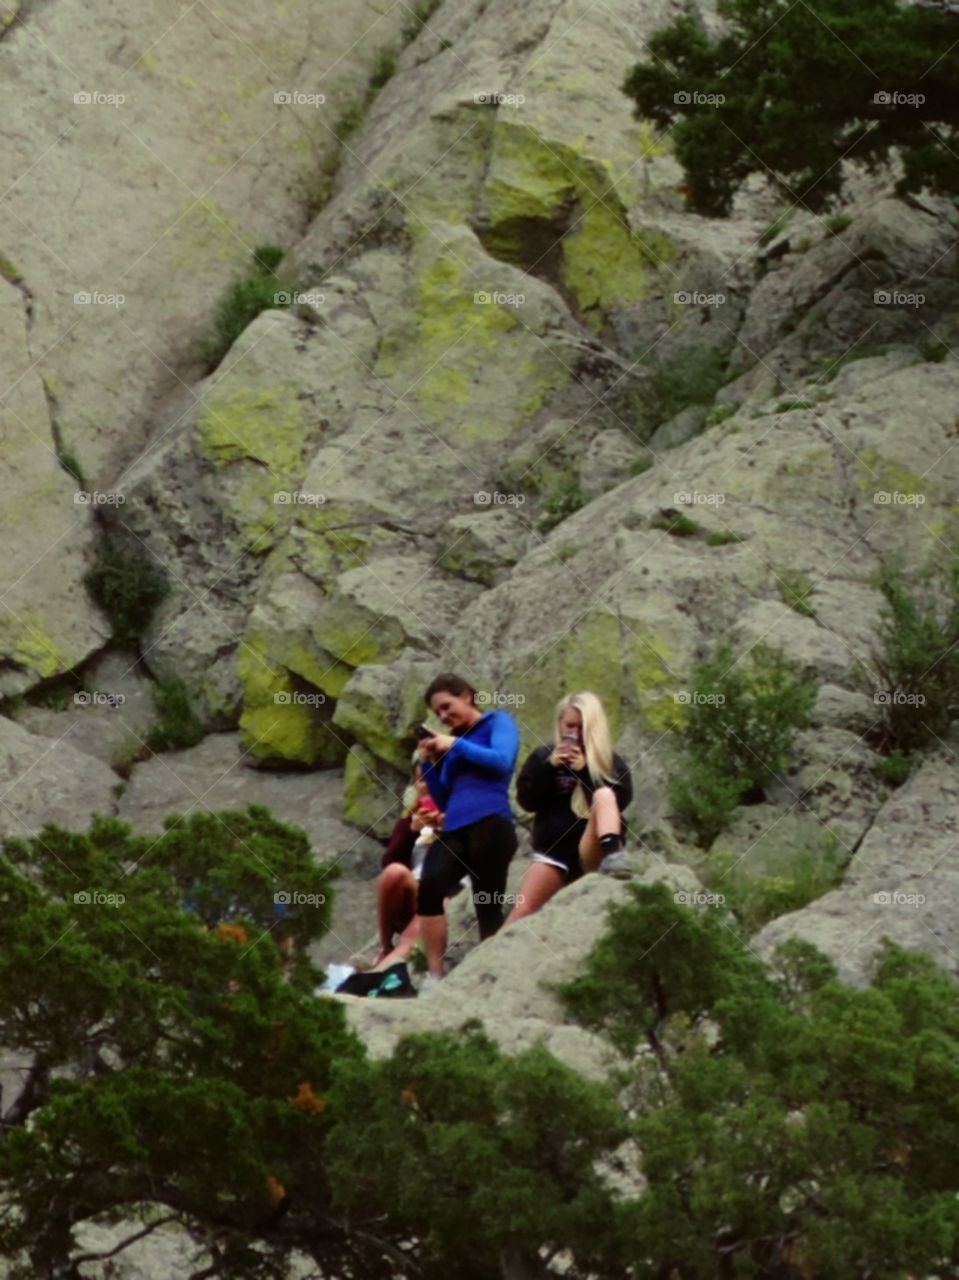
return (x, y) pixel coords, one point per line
(468, 772)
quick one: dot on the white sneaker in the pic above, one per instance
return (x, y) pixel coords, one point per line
(617, 866)
(430, 980)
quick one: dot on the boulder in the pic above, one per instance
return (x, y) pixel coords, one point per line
(45, 781)
(902, 883)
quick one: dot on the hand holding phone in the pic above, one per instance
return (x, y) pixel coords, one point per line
(422, 732)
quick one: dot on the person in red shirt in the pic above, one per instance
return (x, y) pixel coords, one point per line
(398, 884)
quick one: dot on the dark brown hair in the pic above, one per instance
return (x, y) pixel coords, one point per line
(449, 682)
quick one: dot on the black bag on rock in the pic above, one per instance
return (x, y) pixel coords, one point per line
(392, 983)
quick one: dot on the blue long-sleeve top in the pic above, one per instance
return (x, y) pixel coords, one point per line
(472, 780)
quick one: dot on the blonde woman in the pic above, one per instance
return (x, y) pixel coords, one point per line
(577, 788)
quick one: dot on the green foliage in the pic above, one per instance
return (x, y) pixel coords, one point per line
(165, 1045)
(737, 735)
(639, 466)
(720, 412)
(896, 767)
(917, 660)
(688, 377)
(384, 66)
(797, 86)
(789, 1125)
(472, 1154)
(832, 365)
(757, 899)
(790, 406)
(838, 223)
(777, 226)
(723, 537)
(795, 589)
(261, 289)
(178, 725)
(127, 587)
(933, 350)
(676, 523)
(561, 503)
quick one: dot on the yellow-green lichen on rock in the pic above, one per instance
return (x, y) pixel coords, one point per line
(25, 641)
(470, 318)
(283, 720)
(647, 662)
(535, 188)
(261, 423)
(372, 790)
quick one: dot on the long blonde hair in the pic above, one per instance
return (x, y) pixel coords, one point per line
(597, 744)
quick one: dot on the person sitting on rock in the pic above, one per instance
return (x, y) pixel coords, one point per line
(468, 772)
(398, 885)
(577, 788)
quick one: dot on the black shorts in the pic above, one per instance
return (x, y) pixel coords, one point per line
(483, 851)
(565, 861)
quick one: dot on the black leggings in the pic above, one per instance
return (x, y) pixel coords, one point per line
(484, 849)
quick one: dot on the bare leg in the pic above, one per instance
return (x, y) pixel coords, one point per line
(434, 932)
(604, 820)
(404, 946)
(396, 897)
(540, 882)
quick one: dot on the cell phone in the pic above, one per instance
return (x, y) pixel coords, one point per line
(570, 737)
(422, 732)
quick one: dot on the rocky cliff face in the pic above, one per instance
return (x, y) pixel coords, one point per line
(455, 450)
